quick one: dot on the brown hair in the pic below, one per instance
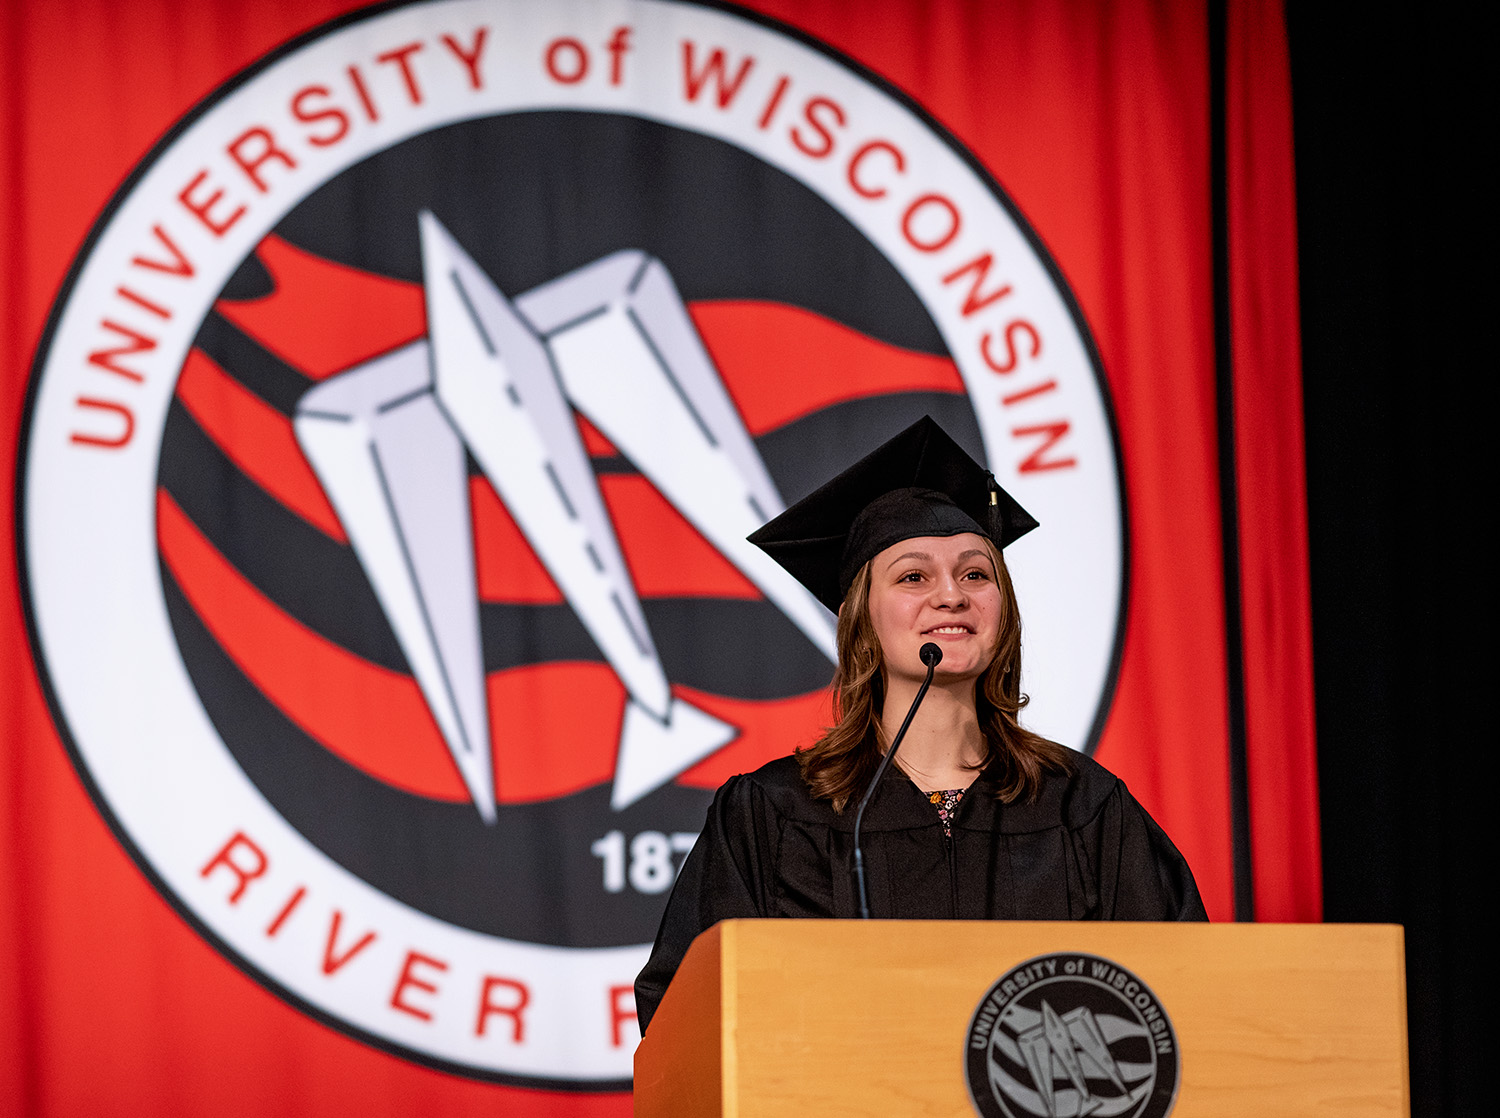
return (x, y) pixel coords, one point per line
(842, 762)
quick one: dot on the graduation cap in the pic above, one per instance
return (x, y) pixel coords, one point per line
(920, 483)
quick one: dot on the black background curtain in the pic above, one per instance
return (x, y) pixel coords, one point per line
(1398, 364)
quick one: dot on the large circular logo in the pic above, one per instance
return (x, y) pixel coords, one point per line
(390, 457)
(1068, 1034)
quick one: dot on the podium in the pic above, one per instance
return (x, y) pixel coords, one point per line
(896, 1018)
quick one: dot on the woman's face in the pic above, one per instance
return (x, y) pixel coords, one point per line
(940, 589)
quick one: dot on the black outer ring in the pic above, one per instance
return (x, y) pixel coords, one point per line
(23, 439)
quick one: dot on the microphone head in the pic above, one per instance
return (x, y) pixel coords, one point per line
(931, 654)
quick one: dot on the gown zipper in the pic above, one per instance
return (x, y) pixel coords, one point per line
(952, 872)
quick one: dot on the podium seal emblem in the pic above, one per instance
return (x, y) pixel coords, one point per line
(1071, 1034)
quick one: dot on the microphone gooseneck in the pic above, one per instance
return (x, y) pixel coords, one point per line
(932, 656)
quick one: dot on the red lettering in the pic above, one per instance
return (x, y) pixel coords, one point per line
(726, 90)
(774, 103)
(180, 265)
(99, 440)
(333, 113)
(401, 56)
(1012, 328)
(470, 57)
(618, 1014)
(859, 157)
(810, 112)
(243, 874)
(618, 44)
(398, 1000)
(252, 165)
(580, 58)
(135, 343)
(357, 80)
(1052, 432)
(1028, 393)
(286, 910)
(201, 207)
(974, 301)
(520, 1000)
(143, 302)
(908, 220)
(332, 960)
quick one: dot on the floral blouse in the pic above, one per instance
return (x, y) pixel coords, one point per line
(946, 803)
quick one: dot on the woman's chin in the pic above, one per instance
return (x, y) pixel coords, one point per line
(960, 654)
(956, 667)
(958, 674)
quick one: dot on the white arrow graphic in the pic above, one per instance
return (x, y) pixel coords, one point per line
(631, 360)
(495, 380)
(394, 470)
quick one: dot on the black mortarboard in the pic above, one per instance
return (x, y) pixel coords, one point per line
(921, 483)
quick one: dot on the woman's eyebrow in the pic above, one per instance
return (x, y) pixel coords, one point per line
(909, 555)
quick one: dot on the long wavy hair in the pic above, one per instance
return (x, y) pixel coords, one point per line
(842, 762)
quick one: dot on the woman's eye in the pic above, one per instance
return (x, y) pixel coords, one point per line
(977, 576)
(911, 576)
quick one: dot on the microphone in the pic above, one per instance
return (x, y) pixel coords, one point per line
(932, 656)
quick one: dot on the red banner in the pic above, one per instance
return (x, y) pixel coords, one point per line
(360, 711)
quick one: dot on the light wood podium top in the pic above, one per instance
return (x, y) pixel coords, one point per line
(837, 1017)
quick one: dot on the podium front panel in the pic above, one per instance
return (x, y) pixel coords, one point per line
(833, 1018)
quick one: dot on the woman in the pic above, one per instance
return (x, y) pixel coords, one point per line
(977, 818)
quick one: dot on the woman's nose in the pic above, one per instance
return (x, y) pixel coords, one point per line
(949, 592)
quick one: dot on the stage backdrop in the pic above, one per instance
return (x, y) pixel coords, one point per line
(391, 390)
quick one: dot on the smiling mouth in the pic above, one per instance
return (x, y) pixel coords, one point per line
(950, 630)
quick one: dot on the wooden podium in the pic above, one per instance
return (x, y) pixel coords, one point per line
(833, 1017)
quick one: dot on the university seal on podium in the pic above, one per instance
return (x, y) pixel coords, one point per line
(1070, 1034)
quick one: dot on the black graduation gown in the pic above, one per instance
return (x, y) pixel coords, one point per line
(1085, 850)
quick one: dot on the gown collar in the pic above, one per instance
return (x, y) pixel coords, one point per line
(899, 805)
